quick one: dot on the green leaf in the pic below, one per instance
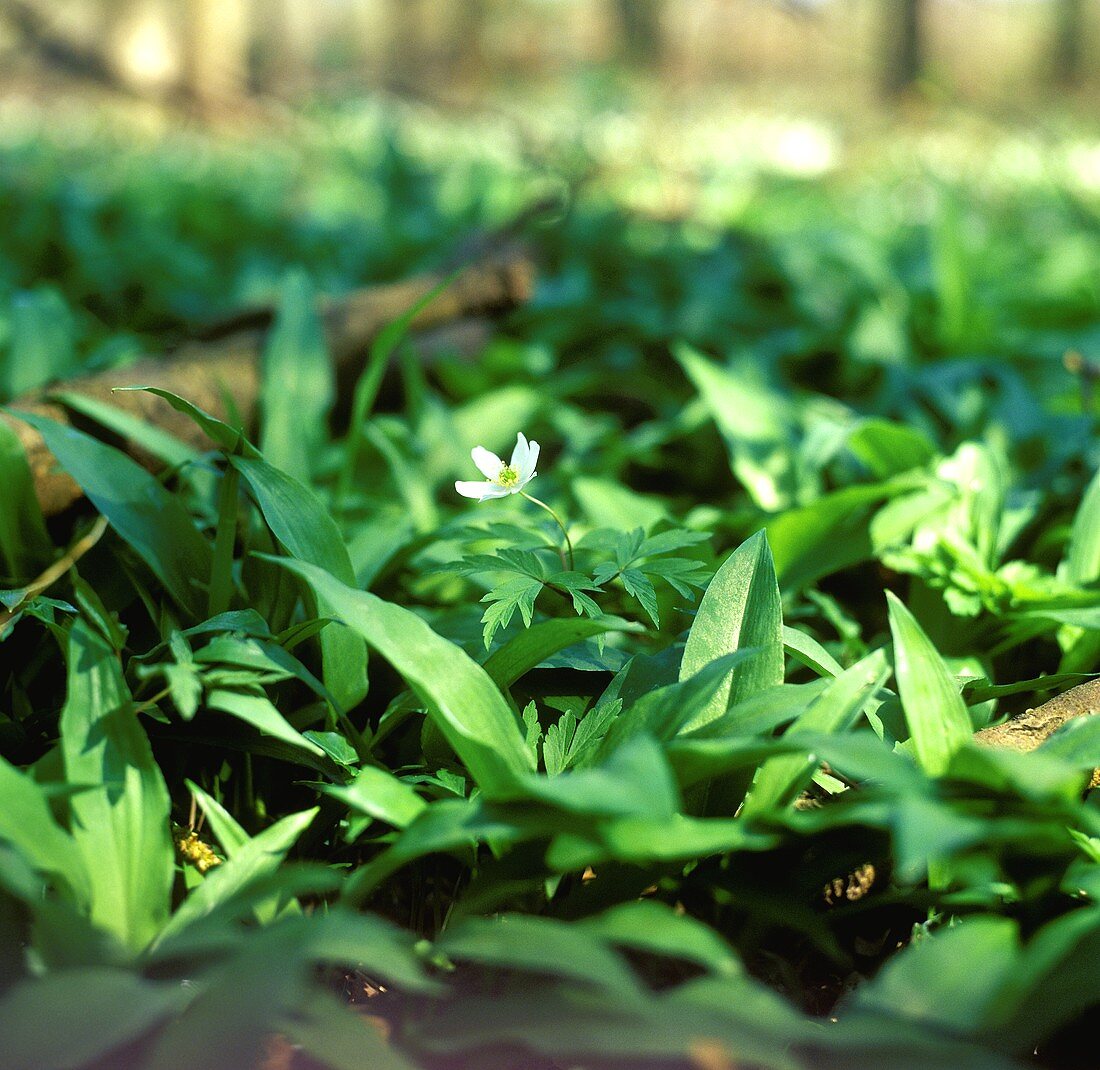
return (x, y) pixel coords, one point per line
(447, 825)
(306, 531)
(635, 779)
(650, 926)
(543, 946)
(741, 608)
(779, 780)
(334, 1035)
(75, 1018)
(462, 699)
(370, 381)
(888, 448)
(24, 544)
(225, 827)
(297, 384)
(256, 709)
(231, 439)
(534, 645)
(144, 514)
(27, 824)
(950, 981)
(607, 503)
(258, 857)
(810, 652)
(1083, 556)
(41, 349)
(664, 711)
(121, 825)
(149, 437)
(827, 535)
(518, 592)
(571, 739)
(638, 585)
(930, 698)
(378, 794)
(756, 423)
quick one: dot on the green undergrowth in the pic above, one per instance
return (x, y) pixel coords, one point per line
(306, 745)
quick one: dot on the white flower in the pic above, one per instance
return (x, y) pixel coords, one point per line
(501, 479)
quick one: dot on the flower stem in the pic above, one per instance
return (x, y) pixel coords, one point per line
(557, 520)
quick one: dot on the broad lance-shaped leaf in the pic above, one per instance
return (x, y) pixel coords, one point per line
(39, 343)
(306, 531)
(297, 389)
(779, 780)
(534, 645)
(380, 795)
(651, 926)
(930, 698)
(756, 421)
(120, 826)
(270, 983)
(255, 858)
(27, 824)
(662, 712)
(79, 1017)
(461, 697)
(741, 608)
(1083, 557)
(24, 542)
(154, 522)
(258, 710)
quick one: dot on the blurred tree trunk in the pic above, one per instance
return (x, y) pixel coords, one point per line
(214, 51)
(465, 52)
(292, 36)
(407, 49)
(903, 54)
(117, 18)
(1067, 60)
(640, 31)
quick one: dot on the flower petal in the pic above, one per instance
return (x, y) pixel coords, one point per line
(523, 481)
(473, 489)
(488, 464)
(527, 470)
(519, 453)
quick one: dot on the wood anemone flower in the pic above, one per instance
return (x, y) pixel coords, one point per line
(501, 479)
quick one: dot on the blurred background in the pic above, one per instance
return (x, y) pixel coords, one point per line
(877, 177)
(836, 54)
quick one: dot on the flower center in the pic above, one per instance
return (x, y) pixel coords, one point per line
(508, 477)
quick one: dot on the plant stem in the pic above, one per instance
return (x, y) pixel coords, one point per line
(557, 520)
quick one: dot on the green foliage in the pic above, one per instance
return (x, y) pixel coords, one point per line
(579, 818)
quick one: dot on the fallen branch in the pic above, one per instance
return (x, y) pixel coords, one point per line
(58, 569)
(1032, 727)
(225, 374)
